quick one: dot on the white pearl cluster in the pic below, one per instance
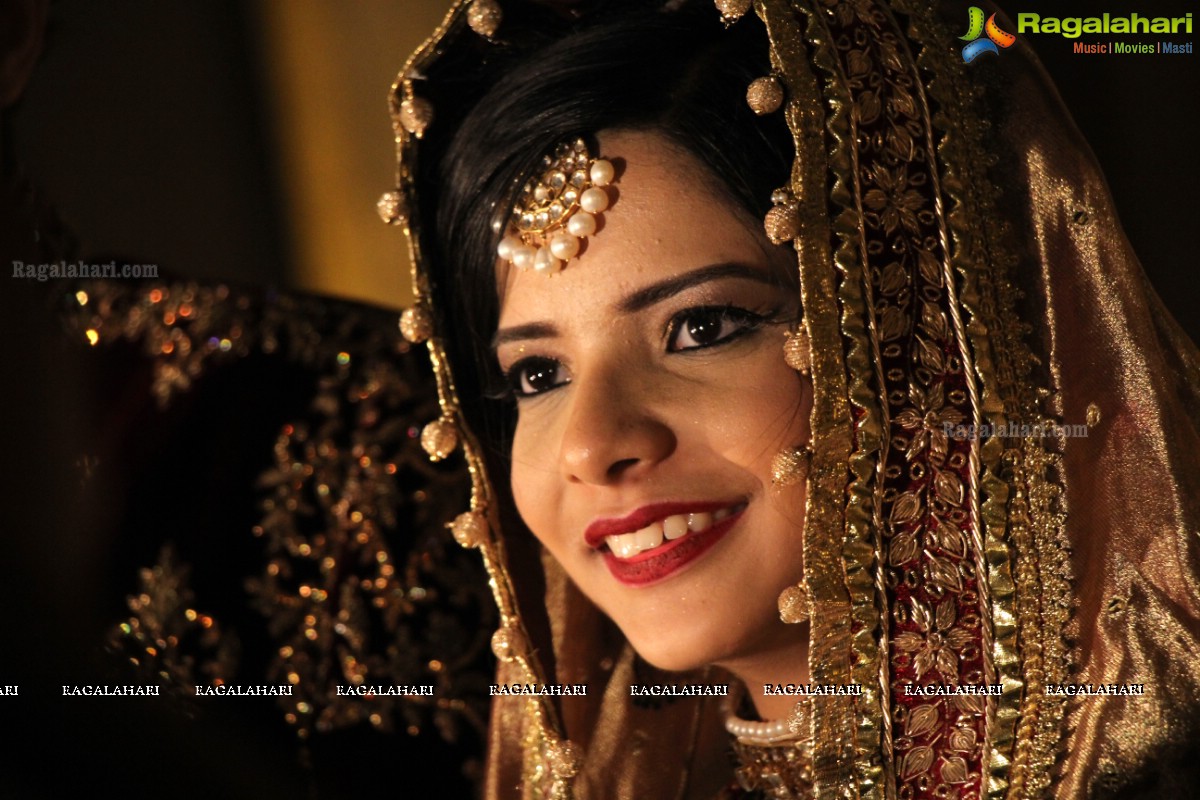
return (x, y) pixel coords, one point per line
(556, 213)
(770, 732)
(775, 730)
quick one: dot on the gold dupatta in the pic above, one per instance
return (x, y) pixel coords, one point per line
(960, 265)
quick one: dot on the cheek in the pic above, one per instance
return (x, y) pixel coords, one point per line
(757, 410)
(535, 480)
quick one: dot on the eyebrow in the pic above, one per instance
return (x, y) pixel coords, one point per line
(643, 298)
(664, 289)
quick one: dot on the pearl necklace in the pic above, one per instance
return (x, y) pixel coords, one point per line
(770, 732)
(767, 732)
(772, 759)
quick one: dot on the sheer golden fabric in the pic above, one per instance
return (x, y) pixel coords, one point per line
(960, 263)
(1133, 484)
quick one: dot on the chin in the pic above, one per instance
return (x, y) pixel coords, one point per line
(684, 653)
(672, 660)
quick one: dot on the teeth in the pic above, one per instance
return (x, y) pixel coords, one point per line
(675, 526)
(623, 546)
(649, 537)
(628, 545)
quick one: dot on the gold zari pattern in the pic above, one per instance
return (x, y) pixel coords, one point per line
(780, 771)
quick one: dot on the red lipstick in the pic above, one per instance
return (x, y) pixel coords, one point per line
(641, 517)
(668, 558)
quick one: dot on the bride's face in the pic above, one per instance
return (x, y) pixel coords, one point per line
(653, 395)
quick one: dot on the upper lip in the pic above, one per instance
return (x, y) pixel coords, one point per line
(641, 517)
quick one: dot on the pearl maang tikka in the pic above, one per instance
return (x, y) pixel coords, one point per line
(556, 209)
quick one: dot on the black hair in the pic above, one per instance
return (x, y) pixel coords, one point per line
(679, 73)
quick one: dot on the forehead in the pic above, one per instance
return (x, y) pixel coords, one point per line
(669, 214)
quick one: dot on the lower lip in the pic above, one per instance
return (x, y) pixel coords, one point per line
(647, 568)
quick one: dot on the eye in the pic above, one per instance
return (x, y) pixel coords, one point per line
(536, 375)
(696, 328)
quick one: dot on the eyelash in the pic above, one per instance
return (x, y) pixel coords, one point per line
(517, 376)
(750, 320)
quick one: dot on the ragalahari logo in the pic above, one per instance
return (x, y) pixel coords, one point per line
(976, 27)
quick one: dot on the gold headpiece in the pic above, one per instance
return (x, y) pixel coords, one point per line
(557, 209)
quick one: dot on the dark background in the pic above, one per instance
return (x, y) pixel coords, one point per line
(1141, 115)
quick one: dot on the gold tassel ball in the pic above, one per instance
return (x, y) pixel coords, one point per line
(782, 223)
(765, 95)
(469, 529)
(508, 643)
(391, 208)
(733, 10)
(439, 438)
(416, 113)
(484, 17)
(793, 604)
(416, 325)
(797, 351)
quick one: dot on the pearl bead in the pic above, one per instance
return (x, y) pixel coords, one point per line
(581, 224)
(602, 172)
(775, 729)
(522, 256)
(507, 246)
(594, 200)
(545, 262)
(564, 246)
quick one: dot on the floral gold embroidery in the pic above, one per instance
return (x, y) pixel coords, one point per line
(936, 643)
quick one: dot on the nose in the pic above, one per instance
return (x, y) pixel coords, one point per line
(613, 433)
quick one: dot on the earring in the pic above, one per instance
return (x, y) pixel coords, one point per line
(791, 465)
(797, 350)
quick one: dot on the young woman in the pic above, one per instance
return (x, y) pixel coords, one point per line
(785, 351)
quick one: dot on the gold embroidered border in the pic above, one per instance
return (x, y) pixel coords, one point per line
(959, 341)
(830, 654)
(960, 149)
(861, 545)
(872, 28)
(538, 778)
(1023, 511)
